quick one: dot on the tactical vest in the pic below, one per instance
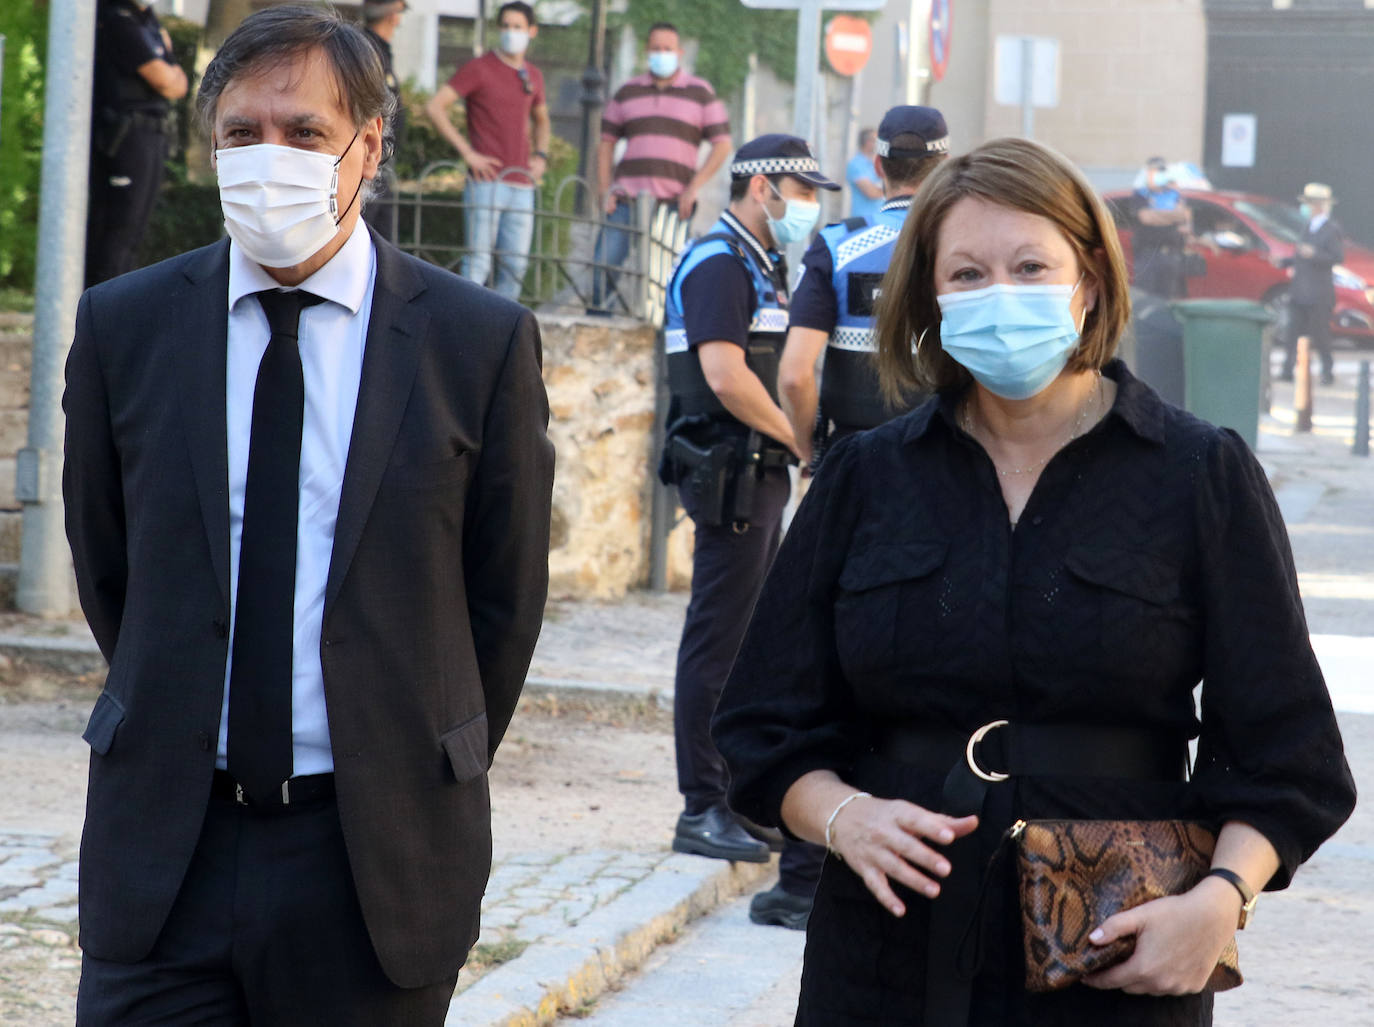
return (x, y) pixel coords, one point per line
(860, 250)
(767, 325)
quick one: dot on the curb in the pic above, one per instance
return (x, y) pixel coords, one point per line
(62, 655)
(564, 974)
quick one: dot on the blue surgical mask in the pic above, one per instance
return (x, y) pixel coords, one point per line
(1013, 339)
(796, 221)
(663, 63)
(1306, 209)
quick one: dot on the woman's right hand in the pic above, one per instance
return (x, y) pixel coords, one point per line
(885, 840)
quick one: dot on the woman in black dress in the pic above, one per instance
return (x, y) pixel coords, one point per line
(1045, 543)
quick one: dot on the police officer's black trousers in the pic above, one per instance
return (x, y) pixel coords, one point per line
(728, 568)
(123, 190)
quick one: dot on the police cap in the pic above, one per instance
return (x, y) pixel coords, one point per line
(907, 133)
(779, 154)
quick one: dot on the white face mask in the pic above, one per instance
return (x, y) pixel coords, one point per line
(514, 41)
(281, 204)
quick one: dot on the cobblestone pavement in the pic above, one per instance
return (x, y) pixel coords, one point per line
(534, 896)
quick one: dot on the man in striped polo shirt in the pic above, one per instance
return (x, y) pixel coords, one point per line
(663, 116)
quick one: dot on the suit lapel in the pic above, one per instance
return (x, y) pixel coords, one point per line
(390, 358)
(202, 353)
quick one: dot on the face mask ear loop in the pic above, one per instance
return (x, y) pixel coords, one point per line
(334, 191)
(1084, 319)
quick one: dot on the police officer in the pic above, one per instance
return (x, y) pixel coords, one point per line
(1164, 227)
(381, 19)
(832, 306)
(728, 444)
(833, 303)
(136, 78)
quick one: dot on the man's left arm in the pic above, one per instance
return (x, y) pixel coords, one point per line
(715, 160)
(506, 536)
(541, 132)
(1330, 247)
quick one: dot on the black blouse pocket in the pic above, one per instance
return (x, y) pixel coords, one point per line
(888, 604)
(1138, 599)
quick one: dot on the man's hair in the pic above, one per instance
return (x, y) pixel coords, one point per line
(739, 187)
(275, 35)
(663, 26)
(907, 173)
(865, 134)
(519, 7)
(1021, 175)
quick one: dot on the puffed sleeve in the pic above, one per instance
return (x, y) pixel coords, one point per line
(786, 708)
(1270, 753)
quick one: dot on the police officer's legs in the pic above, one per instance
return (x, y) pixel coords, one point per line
(123, 190)
(728, 568)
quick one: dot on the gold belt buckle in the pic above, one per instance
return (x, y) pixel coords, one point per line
(987, 775)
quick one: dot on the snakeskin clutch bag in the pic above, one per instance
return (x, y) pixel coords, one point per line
(1074, 874)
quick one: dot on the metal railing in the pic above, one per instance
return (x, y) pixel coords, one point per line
(571, 266)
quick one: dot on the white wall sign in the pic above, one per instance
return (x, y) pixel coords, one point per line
(1238, 141)
(1010, 78)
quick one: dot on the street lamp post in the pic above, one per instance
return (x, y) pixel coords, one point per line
(593, 96)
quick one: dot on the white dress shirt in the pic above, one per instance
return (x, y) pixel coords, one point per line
(332, 336)
(1316, 223)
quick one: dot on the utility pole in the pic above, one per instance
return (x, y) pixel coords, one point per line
(45, 569)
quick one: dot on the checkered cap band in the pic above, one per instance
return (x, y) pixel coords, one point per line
(941, 145)
(775, 166)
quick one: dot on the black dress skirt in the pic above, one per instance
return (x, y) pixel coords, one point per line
(1150, 557)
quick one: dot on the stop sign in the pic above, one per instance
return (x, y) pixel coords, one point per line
(848, 43)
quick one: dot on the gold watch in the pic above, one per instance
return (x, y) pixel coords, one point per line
(1247, 897)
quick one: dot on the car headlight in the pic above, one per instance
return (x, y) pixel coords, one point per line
(1369, 297)
(1347, 279)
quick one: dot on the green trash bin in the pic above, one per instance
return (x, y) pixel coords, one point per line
(1223, 361)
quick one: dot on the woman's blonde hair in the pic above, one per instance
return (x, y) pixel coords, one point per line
(1022, 175)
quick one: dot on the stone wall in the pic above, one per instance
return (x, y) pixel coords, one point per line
(599, 374)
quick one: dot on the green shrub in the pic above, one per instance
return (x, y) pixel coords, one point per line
(24, 26)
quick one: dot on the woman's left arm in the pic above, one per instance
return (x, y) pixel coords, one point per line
(1179, 939)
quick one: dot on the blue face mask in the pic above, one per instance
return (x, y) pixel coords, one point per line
(1013, 339)
(796, 221)
(1306, 210)
(662, 63)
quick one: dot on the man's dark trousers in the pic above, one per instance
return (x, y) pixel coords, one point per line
(1314, 321)
(124, 188)
(728, 568)
(267, 909)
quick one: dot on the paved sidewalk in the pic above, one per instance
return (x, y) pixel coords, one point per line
(562, 929)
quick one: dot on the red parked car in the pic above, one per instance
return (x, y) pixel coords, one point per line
(1242, 237)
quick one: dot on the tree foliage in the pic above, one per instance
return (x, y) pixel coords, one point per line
(24, 26)
(728, 32)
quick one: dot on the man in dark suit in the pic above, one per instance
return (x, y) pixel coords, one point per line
(1312, 296)
(313, 548)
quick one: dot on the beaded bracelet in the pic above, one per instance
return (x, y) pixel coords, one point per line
(829, 824)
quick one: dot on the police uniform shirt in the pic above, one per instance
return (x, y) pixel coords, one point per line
(127, 38)
(393, 86)
(718, 300)
(814, 304)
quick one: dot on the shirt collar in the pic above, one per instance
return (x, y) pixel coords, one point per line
(1316, 223)
(1137, 406)
(342, 280)
(766, 259)
(898, 203)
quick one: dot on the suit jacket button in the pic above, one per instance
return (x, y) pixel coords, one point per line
(203, 738)
(221, 628)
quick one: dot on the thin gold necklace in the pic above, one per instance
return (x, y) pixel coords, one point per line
(1089, 401)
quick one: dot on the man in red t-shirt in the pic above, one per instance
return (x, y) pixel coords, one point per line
(504, 97)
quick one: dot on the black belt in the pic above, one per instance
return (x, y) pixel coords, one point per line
(1000, 749)
(976, 761)
(296, 791)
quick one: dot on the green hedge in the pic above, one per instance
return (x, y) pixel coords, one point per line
(24, 26)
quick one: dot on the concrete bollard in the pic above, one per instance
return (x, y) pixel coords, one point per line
(1361, 445)
(1302, 383)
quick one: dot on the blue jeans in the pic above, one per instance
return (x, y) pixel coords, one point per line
(500, 223)
(612, 247)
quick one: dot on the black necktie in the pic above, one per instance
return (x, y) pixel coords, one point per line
(260, 678)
